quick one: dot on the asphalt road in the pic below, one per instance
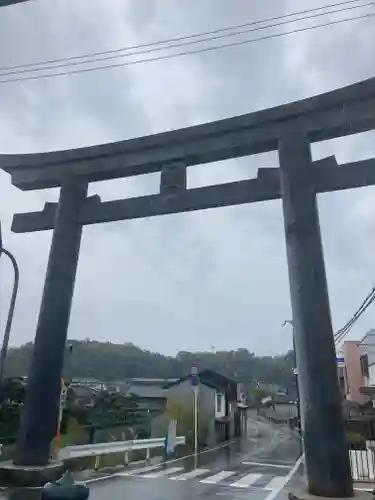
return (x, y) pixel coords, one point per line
(264, 465)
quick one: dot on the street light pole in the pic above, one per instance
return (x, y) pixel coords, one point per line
(194, 384)
(195, 420)
(295, 372)
(298, 401)
(8, 326)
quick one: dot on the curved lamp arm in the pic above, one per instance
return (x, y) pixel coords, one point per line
(8, 326)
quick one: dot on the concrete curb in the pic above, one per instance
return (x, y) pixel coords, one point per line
(303, 494)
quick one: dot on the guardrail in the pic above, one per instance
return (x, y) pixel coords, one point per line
(98, 449)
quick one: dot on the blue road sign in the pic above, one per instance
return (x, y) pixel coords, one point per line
(194, 377)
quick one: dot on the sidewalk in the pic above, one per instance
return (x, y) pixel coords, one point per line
(364, 486)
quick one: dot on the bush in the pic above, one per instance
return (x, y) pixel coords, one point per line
(184, 414)
(356, 440)
(10, 419)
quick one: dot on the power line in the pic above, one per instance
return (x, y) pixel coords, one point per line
(70, 63)
(153, 45)
(341, 334)
(185, 53)
(343, 331)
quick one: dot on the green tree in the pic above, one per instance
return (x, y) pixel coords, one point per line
(107, 362)
(184, 414)
(260, 394)
(12, 396)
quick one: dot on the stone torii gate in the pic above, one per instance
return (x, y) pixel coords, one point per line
(290, 129)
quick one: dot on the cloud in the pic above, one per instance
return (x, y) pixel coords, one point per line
(184, 281)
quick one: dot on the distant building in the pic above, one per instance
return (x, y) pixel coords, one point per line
(91, 382)
(355, 362)
(83, 395)
(351, 375)
(367, 346)
(150, 392)
(368, 353)
(221, 403)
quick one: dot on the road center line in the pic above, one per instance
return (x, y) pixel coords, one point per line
(158, 465)
(264, 464)
(281, 485)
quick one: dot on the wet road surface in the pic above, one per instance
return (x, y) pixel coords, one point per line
(263, 466)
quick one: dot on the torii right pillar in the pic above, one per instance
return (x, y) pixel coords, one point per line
(324, 436)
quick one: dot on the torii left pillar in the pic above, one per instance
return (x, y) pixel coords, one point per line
(40, 417)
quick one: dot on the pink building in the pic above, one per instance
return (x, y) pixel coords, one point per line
(353, 373)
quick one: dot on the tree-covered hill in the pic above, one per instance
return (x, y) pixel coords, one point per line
(107, 361)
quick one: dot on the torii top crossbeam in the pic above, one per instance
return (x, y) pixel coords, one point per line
(341, 112)
(6, 3)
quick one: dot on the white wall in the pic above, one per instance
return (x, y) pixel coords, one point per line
(371, 373)
(367, 346)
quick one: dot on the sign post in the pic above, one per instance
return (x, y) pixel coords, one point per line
(340, 360)
(63, 395)
(170, 438)
(195, 385)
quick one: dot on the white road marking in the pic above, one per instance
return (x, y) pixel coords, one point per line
(190, 475)
(218, 477)
(264, 464)
(246, 481)
(158, 465)
(273, 494)
(163, 472)
(275, 483)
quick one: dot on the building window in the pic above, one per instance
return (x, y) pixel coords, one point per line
(346, 382)
(219, 402)
(364, 365)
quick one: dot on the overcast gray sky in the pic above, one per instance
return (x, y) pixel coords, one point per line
(188, 281)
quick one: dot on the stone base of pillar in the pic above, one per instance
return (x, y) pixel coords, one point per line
(303, 494)
(25, 476)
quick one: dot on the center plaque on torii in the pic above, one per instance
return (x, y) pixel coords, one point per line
(290, 129)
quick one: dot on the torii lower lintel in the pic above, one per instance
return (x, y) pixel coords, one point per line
(327, 175)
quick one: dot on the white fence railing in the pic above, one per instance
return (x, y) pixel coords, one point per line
(98, 449)
(362, 465)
